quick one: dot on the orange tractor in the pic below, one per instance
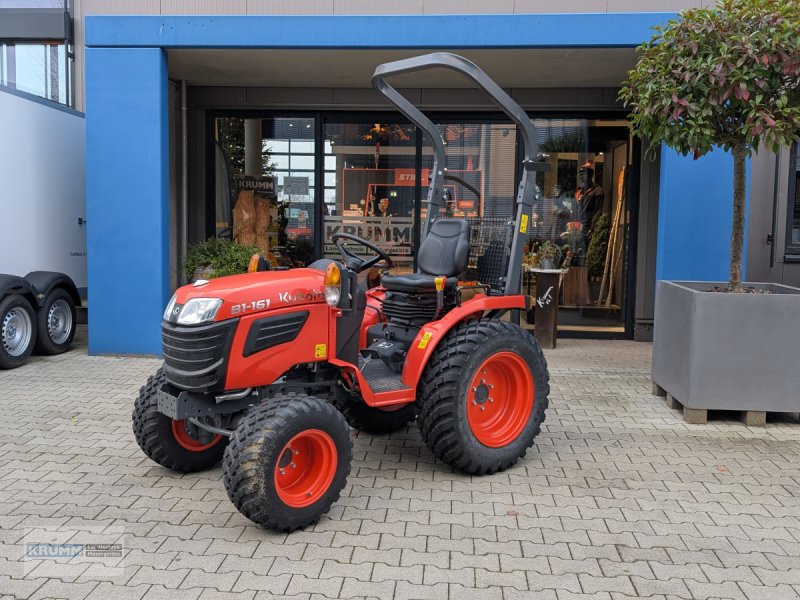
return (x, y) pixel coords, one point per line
(268, 371)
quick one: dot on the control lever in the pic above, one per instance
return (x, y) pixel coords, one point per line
(439, 282)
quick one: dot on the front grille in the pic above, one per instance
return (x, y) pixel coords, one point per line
(196, 358)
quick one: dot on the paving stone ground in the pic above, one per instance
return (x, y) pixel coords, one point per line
(619, 499)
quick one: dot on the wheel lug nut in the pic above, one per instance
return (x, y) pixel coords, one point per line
(474, 402)
(483, 408)
(294, 466)
(296, 452)
(491, 399)
(283, 471)
(474, 389)
(483, 381)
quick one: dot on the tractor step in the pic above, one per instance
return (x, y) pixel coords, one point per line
(380, 377)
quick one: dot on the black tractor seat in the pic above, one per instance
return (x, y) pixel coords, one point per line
(443, 252)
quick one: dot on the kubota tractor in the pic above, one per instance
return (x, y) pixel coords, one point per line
(267, 371)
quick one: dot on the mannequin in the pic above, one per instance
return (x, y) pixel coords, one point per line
(590, 199)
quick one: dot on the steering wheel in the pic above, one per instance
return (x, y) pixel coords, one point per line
(355, 262)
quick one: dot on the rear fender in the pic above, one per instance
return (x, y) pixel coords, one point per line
(43, 282)
(431, 334)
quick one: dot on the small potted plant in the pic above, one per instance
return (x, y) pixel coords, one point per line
(549, 255)
(217, 257)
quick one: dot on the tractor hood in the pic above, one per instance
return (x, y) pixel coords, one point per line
(256, 292)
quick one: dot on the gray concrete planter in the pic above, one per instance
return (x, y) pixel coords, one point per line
(716, 351)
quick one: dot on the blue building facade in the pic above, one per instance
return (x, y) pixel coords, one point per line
(133, 134)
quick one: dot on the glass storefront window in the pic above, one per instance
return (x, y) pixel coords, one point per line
(582, 211)
(371, 187)
(39, 69)
(373, 176)
(265, 186)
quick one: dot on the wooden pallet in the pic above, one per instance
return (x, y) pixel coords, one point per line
(699, 416)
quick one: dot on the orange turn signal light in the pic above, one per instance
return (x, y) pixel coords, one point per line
(252, 266)
(333, 276)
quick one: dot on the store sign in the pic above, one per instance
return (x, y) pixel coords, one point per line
(295, 186)
(391, 234)
(264, 185)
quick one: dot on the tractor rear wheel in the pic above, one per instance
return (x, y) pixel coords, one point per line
(176, 445)
(376, 421)
(483, 396)
(288, 461)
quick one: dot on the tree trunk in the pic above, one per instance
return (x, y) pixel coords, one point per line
(737, 233)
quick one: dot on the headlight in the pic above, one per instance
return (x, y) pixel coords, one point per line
(170, 307)
(199, 310)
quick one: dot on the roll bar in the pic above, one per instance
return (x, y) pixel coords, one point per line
(527, 191)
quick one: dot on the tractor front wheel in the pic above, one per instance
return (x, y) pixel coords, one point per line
(483, 395)
(288, 461)
(176, 445)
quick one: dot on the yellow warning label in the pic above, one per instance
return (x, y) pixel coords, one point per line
(320, 350)
(523, 224)
(424, 341)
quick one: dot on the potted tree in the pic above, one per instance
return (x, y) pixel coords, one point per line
(727, 78)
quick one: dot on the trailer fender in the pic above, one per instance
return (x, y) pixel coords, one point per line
(42, 283)
(14, 284)
(431, 334)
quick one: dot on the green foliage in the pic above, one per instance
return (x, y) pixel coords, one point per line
(223, 257)
(549, 251)
(727, 76)
(724, 76)
(598, 247)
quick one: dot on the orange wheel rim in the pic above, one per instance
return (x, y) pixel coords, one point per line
(305, 469)
(188, 442)
(500, 399)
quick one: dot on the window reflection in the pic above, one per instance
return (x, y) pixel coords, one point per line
(39, 69)
(265, 187)
(582, 212)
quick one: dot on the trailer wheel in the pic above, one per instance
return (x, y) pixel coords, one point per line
(56, 322)
(483, 396)
(176, 445)
(17, 331)
(372, 420)
(288, 461)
